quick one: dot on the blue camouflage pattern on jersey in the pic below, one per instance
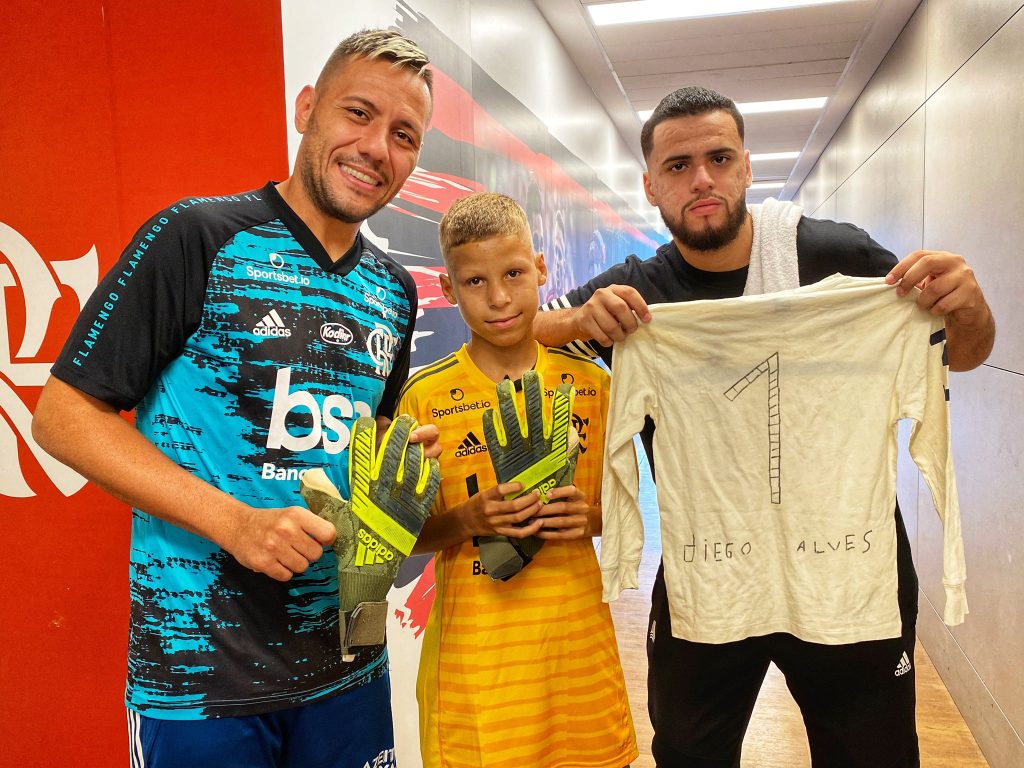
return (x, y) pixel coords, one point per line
(287, 355)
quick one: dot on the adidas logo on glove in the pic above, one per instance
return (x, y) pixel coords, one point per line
(371, 551)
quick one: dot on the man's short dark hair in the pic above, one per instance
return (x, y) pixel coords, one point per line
(688, 101)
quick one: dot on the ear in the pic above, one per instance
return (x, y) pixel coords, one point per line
(446, 289)
(746, 163)
(304, 104)
(542, 268)
(649, 191)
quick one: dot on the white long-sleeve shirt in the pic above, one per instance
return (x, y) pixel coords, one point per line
(776, 453)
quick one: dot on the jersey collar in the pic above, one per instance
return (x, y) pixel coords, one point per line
(305, 237)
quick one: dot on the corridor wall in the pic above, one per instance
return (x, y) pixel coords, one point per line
(932, 156)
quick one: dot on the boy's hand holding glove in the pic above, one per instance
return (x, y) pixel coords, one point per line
(539, 452)
(392, 492)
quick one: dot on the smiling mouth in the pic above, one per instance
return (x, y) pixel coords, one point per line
(359, 175)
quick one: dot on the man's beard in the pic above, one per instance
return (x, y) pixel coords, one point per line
(705, 238)
(321, 196)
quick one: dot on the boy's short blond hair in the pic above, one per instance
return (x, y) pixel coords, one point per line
(482, 216)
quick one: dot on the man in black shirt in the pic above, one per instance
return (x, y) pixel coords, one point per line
(857, 711)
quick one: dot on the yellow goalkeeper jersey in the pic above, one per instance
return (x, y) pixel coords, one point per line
(522, 673)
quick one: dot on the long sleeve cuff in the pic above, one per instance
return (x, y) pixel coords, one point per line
(619, 577)
(956, 605)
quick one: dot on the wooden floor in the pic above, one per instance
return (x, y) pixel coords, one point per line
(776, 738)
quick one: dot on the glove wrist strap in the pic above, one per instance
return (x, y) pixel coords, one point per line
(363, 625)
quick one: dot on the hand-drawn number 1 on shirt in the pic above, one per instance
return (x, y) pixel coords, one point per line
(771, 367)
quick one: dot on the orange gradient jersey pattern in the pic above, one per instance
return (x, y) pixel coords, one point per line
(523, 672)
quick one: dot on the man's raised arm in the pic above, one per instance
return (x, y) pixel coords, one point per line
(608, 316)
(949, 288)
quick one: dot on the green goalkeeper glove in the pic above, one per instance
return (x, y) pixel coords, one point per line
(392, 492)
(539, 451)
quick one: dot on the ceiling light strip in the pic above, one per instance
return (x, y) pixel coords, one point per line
(767, 156)
(638, 11)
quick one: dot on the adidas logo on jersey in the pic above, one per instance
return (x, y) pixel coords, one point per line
(272, 325)
(580, 425)
(371, 550)
(904, 666)
(470, 445)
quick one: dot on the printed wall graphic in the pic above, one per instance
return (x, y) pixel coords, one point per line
(39, 285)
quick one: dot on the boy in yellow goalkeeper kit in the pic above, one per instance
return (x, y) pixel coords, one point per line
(522, 671)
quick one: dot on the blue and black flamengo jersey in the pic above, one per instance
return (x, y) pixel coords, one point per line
(247, 354)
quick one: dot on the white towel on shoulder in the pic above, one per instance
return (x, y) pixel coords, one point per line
(773, 262)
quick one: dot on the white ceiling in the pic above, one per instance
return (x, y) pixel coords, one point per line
(827, 50)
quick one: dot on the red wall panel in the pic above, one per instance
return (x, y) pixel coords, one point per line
(108, 111)
(199, 102)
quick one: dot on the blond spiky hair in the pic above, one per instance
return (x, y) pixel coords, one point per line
(388, 44)
(480, 217)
